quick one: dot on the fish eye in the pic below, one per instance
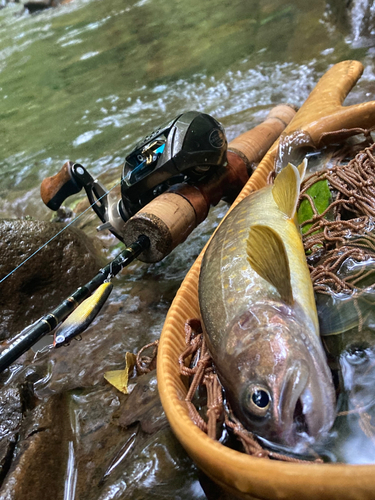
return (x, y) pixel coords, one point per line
(258, 400)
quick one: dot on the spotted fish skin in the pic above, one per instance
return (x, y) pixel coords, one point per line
(256, 339)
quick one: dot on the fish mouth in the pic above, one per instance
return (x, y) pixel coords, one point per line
(293, 405)
(307, 411)
(305, 425)
(300, 419)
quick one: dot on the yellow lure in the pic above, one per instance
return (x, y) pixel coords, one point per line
(81, 317)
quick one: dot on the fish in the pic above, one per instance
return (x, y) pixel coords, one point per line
(260, 321)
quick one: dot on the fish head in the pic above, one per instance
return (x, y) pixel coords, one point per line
(277, 380)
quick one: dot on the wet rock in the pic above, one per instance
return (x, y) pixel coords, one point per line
(33, 5)
(157, 468)
(97, 439)
(70, 260)
(39, 466)
(71, 446)
(36, 5)
(356, 18)
(10, 420)
(338, 12)
(7, 446)
(143, 405)
(108, 461)
(10, 411)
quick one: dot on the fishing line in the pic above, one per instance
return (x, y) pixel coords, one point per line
(57, 234)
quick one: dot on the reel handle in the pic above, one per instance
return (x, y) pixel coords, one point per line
(54, 190)
(169, 218)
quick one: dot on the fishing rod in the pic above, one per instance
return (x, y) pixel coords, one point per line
(47, 323)
(169, 181)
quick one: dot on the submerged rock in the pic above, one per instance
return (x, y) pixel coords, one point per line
(39, 4)
(143, 405)
(51, 275)
(10, 421)
(354, 17)
(40, 464)
(94, 444)
(33, 5)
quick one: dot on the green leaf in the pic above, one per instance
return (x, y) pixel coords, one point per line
(321, 195)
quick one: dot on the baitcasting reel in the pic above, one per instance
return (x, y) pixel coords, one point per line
(188, 149)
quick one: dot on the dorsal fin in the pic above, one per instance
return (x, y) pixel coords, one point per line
(266, 254)
(285, 190)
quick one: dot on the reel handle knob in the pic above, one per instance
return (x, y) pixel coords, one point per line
(54, 190)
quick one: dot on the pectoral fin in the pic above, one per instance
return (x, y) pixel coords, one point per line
(285, 190)
(266, 254)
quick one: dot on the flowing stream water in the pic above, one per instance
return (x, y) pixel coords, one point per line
(84, 81)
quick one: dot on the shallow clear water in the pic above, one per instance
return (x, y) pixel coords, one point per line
(86, 80)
